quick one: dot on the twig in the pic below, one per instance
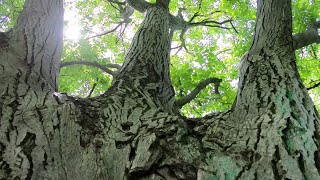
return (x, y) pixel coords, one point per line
(108, 32)
(91, 91)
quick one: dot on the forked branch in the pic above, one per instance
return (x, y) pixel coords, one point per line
(186, 99)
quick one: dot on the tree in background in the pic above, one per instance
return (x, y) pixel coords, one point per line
(134, 130)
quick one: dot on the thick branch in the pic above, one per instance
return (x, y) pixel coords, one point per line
(306, 38)
(104, 68)
(163, 3)
(139, 5)
(186, 99)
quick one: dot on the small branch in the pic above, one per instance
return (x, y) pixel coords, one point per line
(211, 23)
(125, 11)
(314, 52)
(177, 22)
(108, 32)
(4, 18)
(183, 42)
(186, 99)
(306, 38)
(91, 91)
(93, 64)
(234, 28)
(314, 86)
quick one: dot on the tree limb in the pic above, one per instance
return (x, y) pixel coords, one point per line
(107, 32)
(314, 86)
(186, 99)
(306, 38)
(183, 42)
(104, 68)
(139, 5)
(178, 23)
(116, 66)
(163, 3)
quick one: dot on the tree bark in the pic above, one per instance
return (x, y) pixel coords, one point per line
(134, 130)
(278, 119)
(146, 65)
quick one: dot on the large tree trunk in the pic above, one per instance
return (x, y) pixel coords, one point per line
(274, 117)
(134, 131)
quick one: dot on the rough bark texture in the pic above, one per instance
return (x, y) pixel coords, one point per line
(146, 65)
(277, 117)
(133, 131)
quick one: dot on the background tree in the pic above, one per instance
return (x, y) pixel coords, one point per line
(135, 130)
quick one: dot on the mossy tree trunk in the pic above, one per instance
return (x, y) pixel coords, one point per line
(134, 130)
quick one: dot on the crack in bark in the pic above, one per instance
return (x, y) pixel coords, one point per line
(4, 166)
(317, 159)
(258, 135)
(274, 161)
(301, 165)
(286, 136)
(27, 145)
(45, 162)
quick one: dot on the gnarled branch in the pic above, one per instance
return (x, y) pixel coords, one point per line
(186, 99)
(306, 38)
(104, 68)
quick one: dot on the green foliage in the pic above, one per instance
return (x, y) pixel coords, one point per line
(9, 11)
(79, 79)
(304, 13)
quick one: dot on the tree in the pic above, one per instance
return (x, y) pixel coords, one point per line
(134, 130)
